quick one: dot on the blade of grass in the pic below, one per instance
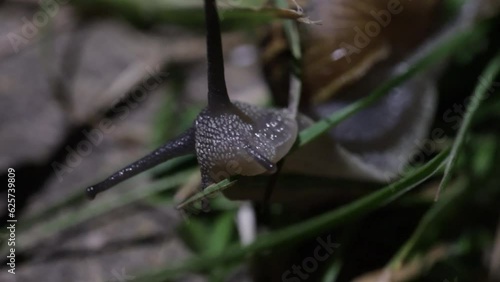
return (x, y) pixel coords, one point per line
(484, 85)
(291, 32)
(305, 229)
(293, 38)
(235, 14)
(71, 200)
(194, 233)
(184, 13)
(210, 191)
(424, 225)
(221, 233)
(333, 271)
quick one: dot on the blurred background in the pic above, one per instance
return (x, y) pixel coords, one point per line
(88, 86)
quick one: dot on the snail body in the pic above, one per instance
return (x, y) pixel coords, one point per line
(242, 139)
(228, 138)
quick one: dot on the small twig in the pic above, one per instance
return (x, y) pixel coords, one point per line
(303, 18)
(300, 10)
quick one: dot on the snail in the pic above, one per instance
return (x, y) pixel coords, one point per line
(227, 137)
(234, 138)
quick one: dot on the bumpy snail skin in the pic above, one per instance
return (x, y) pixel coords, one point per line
(242, 139)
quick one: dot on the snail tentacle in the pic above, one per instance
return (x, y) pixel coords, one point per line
(180, 146)
(217, 91)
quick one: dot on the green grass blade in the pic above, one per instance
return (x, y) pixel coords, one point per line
(484, 85)
(193, 234)
(221, 233)
(209, 192)
(293, 38)
(305, 229)
(291, 32)
(332, 273)
(424, 225)
(75, 198)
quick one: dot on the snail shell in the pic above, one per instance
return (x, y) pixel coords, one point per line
(359, 45)
(358, 35)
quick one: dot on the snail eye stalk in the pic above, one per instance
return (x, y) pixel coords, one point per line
(180, 146)
(217, 91)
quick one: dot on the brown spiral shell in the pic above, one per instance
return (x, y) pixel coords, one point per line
(355, 37)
